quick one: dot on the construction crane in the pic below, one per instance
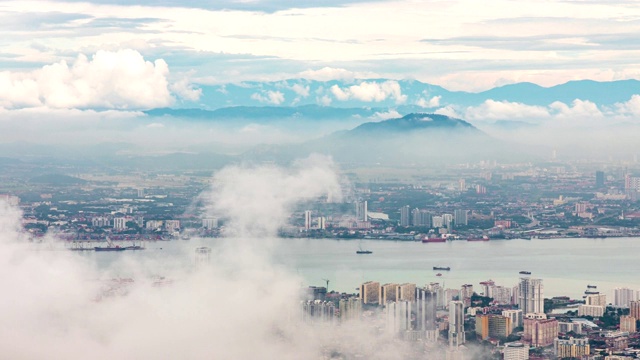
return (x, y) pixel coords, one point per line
(327, 281)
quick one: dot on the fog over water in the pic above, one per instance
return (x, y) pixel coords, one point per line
(566, 265)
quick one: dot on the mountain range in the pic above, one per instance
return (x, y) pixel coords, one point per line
(405, 95)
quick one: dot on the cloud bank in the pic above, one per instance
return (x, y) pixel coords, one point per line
(370, 91)
(108, 80)
(239, 306)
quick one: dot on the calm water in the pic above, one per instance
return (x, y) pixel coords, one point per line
(566, 265)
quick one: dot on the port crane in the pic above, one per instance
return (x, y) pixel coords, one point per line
(327, 281)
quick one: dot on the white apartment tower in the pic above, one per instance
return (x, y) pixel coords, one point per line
(362, 211)
(307, 220)
(531, 296)
(456, 324)
(622, 297)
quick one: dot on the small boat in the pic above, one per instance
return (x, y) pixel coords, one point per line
(441, 268)
(360, 251)
(592, 286)
(439, 274)
(525, 272)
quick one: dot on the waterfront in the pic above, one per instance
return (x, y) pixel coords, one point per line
(566, 265)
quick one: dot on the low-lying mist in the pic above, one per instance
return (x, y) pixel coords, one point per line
(239, 305)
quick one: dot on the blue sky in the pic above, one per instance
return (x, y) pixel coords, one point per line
(78, 54)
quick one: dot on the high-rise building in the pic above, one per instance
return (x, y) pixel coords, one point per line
(440, 294)
(362, 213)
(634, 309)
(628, 324)
(591, 310)
(426, 310)
(210, 223)
(515, 316)
(447, 221)
(500, 294)
(119, 223)
(571, 348)
(531, 295)
(415, 217)
(398, 316)
(203, 256)
(369, 292)
(172, 225)
(493, 326)
(466, 292)
(100, 221)
(599, 179)
(318, 311)
(406, 292)
(425, 218)
(307, 220)
(596, 299)
(350, 309)
(387, 293)
(516, 351)
(405, 212)
(437, 222)
(322, 222)
(622, 297)
(456, 324)
(539, 331)
(567, 327)
(460, 217)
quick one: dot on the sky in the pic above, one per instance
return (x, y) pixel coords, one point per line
(69, 66)
(461, 45)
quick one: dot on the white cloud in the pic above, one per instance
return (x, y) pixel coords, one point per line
(331, 73)
(391, 114)
(431, 103)
(184, 89)
(339, 93)
(301, 90)
(449, 111)
(113, 80)
(579, 109)
(325, 100)
(505, 110)
(370, 92)
(269, 97)
(629, 108)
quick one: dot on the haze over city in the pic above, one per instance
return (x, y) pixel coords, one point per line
(342, 179)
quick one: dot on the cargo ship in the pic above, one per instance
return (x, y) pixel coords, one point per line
(434, 240)
(525, 272)
(109, 248)
(441, 268)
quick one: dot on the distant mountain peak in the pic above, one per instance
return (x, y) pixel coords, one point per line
(414, 122)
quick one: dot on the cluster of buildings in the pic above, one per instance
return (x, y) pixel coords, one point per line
(512, 321)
